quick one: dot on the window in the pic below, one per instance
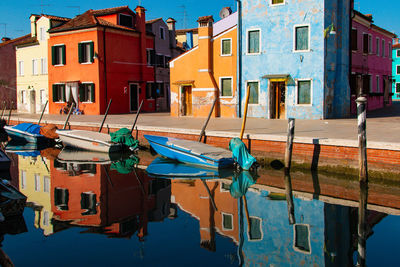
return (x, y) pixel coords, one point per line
(37, 182)
(301, 38)
(304, 92)
(254, 89)
(226, 47)
(86, 52)
(389, 49)
(43, 64)
(59, 93)
(226, 86)
(377, 84)
(397, 87)
(255, 231)
(160, 61)
(160, 89)
(61, 198)
(23, 179)
(151, 57)
(42, 33)
(369, 44)
(354, 39)
(23, 96)
(21, 68)
(398, 69)
(227, 222)
(86, 92)
(277, 2)
(302, 238)
(167, 60)
(397, 55)
(150, 90)
(88, 203)
(42, 96)
(378, 41)
(46, 184)
(125, 20)
(35, 67)
(162, 33)
(383, 48)
(365, 43)
(367, 83)
(253, 44)
(353, 84)
(58, 55)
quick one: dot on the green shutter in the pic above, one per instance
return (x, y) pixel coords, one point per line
(55, 97)
(63, 97)
(63, 55)
(80, 54)
(82, 93)
(53, 55)
(91, 51)
(92, 95)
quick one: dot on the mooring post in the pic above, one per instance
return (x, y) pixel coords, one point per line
(289, 197)
(4, 108)
(289, 144)
(9, 113)
(363, 177)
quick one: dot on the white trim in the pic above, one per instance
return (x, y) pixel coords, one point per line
(258, 100)
(204, 89)
(220, 86)
(222, 221)
(184, 54)
(247, 41)
(294, 38)
(204, 70)
(86, 42)
(273, 5)
(58, 44)
(297, 92)
(204, 37)
(294, 239)
(226, 55)
(222, 34)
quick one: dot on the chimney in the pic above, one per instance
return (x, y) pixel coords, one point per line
(5, 39)
(140, 19)
(171, 24)
(205, 46)
(34, 19)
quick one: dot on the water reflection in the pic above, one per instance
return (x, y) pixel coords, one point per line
(240, 218)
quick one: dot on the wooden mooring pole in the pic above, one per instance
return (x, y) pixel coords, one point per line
(289, 197)
(4, 108)
(363, 177)
(289, 144)
(69, 115)
(9, 113)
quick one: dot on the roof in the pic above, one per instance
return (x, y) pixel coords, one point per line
(52, 17)
(90, 19)
(205, 18)
(366, 17)
(393, 35)
(153, 21)
(16, 41)
(184, 31)
(396, 45)
(112, 10)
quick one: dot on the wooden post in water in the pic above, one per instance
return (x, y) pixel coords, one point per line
(4, 108)
(137, 116)
(363, 177)
(9, 113)
(203, 130)
(69, 115)
(289, 197)
(44, 108)
(105, 116)
(289, 144)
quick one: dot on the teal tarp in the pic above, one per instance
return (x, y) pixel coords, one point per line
(240, 154)
(240, 184)
(125, 137)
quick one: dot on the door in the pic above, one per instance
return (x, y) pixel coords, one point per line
(187, 100)
(133, 96)
(278, 98)
(32, 98)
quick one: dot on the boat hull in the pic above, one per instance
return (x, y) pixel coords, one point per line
(22, 136)
(5, 161)
(87, 140)
(182, 150)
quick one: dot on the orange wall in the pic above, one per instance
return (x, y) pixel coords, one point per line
(187, 66)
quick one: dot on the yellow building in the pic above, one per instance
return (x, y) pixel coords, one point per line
(207, 73)
(32, 65)
(35, 184)
(188, 38)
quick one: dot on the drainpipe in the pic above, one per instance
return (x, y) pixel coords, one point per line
(239, 71)
(105, 65)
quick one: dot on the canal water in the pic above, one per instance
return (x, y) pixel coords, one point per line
(90, 210)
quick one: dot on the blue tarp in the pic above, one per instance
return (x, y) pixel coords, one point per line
(28, 127)
(240, 154)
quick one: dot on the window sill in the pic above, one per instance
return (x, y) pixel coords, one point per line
(87, 102)
(303, 105)
(227, 55)
(225, 97)
(59, 65)
(59, 102)
(301, 51)
(253, 54)
(86, 63)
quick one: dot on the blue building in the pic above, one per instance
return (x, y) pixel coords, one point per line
(295, 58)
(396, 71)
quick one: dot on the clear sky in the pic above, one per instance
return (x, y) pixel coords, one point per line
(14, 14)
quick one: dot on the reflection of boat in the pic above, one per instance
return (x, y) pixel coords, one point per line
(25, 132)
(191, 151)
(167, 168)
(70, 155)
(88, 140)
(12, 202)
(25, 149)
(5, 161)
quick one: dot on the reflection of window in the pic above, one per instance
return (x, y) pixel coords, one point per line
(254, 89)
(88, 203)
(46, 218)
(304, 92)
(23, 179)
(86, 92)
(46, 184)
(225, 187)
(255, 232)
(226, 86)
(302, 238)
(301, 38)
(276, 2)
(227, 221)
(37, 182)
(61, 197)
(253, 41)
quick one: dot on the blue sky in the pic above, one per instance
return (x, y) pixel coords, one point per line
(15, 14)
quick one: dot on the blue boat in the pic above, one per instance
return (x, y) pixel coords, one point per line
(191, 152)
(25, 132)
(170, 169)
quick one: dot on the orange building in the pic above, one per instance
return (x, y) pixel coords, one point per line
(98, 56)
(207, 72)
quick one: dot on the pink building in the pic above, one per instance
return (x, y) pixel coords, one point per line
(371, 73)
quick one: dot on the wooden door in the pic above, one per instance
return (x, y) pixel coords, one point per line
(187, 101)
(278, 97)
(134, 97)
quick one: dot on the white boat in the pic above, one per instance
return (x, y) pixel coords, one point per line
(88, 140)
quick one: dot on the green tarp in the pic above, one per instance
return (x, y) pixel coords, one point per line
(125, 166)
(125, 137)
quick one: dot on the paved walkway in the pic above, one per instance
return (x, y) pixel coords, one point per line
(383, 127)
